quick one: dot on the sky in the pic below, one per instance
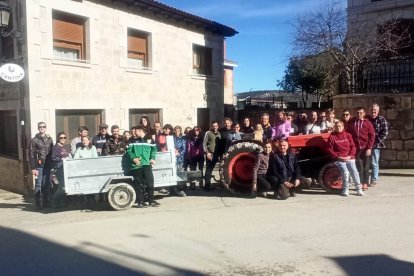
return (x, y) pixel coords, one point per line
(265, 27)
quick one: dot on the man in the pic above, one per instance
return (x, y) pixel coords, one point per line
(284, 164)
(211, 149)
(312, 127)
(346, 117)
(301, 122)
(101, 138)
(324, 124)
(115, 144)
(142, 155)
(381, 132)
(77, 142)
(268, 132)
(156, 133)
(293, 126)
(40, 157)
(363, 134)
(225, 133)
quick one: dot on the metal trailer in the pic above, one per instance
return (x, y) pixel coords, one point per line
(110, 175)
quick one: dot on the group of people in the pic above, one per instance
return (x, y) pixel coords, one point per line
(354, 145)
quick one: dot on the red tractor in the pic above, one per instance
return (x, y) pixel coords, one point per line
(237, 166)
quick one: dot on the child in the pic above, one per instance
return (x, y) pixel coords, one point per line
(142, 155)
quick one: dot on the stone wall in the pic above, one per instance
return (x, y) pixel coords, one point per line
(398, 109)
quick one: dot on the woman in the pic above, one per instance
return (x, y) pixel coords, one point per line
(247, 126)
(162, 138)
(195, 151)
(87, 150)
(146, 123)
(180, 146)
(342, 150)
(263, 183)
(282, 126)
(187, 134)
(331, 117)
(59, 153)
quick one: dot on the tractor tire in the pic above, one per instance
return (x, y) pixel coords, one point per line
(121, 196)
(330, 178)
(237, 167)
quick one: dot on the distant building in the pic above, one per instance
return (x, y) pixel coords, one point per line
(91, 61)
(273, 99)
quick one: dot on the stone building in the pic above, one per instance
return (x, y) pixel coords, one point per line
(390, 82)
(91, 61)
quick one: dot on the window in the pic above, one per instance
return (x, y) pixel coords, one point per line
(138, 43)
(202, 60)
(69, 39)
(8, 135)
(70, 120)
(136, 114)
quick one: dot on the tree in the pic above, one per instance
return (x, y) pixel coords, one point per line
(313, 75)
(347, 40)
(299, 77)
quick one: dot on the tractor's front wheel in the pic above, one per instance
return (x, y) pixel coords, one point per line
(330, 178)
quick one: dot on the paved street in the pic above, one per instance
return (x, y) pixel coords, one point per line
(217, 234)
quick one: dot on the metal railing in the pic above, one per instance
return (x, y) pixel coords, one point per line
(385, 76)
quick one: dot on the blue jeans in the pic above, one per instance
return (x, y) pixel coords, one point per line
(375, 164)
(43, 180)
(348, 168)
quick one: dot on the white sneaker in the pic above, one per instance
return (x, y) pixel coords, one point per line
(360, 193)
(345, 193)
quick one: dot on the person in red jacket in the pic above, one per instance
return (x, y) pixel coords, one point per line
(363, 133)
(341, 149)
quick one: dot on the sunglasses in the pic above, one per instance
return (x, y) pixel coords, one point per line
(64, 137)
(346, 114)
(42, 126)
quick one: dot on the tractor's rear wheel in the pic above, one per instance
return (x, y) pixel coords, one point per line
(330, 178)
(237, 166)
(121, 196)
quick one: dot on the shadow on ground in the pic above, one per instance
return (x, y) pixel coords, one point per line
(374, 265)
(25, 254)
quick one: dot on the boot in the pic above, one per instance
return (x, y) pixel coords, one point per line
(46, 196)
(37, 201)
(345, 191)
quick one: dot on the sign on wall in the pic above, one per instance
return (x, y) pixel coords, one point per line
(11, 72)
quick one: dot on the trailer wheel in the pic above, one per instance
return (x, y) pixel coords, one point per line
(330, 178)
(237, 166)
(121, 196)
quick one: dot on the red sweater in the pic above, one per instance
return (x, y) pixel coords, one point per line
(363, 133)
(341, 145)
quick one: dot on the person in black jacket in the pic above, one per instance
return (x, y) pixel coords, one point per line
(40, 157)
(285, 165)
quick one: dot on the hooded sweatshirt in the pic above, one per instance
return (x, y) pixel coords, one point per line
(341, 145)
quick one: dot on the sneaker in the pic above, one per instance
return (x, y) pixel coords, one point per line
(373, 183)
(262, 194)
(360, 193)
(345, 192)
(292, 194)
(365, 187)
(142, 205)
(163, 191)
(154, 204)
